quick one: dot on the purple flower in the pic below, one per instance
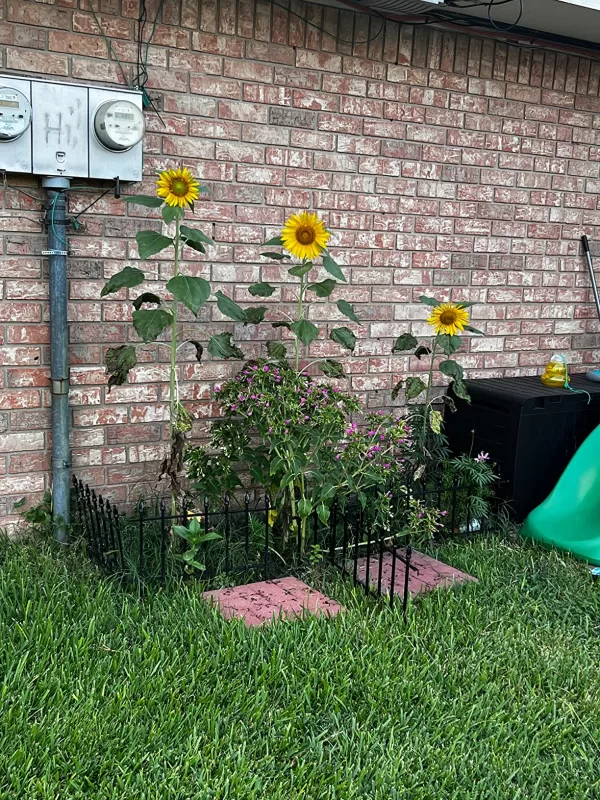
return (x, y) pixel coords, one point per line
(444, 513)
(287, 422)
(265, 368)
(482, 457)
(371, 433)
(337, 458)
(217, 389)
(380, 413)
(253, 397)
(381, 437)
(387, 466)
(241, 397)
(233, 406)
(307, 417)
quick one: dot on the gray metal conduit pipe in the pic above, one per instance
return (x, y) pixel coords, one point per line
(57, 188)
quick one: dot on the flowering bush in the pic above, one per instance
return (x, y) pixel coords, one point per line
(297, 438)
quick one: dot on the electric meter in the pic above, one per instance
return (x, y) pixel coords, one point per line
(15, 114)
(119, 124)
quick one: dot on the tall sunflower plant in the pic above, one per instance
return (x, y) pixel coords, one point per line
(448, 321)
(304, 239)
(176, 192)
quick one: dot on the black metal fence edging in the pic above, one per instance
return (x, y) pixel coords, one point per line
(137, 547)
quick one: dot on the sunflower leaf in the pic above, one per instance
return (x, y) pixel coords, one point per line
(221, 346)
(199, 349)
(171, 213)
(422, 351)
(146, 297)
(449, 344)
(331, 368)
(192, 292)
(192, 235)
(305, 331)
(275, 256)
(471, 329)
(323, 288)
(198, 246)
(429, 301)
(347, 309)
(119, 361)
(330, 266)
(405, 342)
(150, 323)
(287, 325)
(261, 289)
(143, 200)
(301, 269)
(464, 305)
(276, 241)
(229, 308)
(459, 388)
(254, 315)
(150, 243)
(450, 403)
(414, 387)
(396, 389)
(128, 277)
(343, 336)
(452, 369)
(277, 350)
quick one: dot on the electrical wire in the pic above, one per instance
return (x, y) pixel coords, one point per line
(109, 45)
(505, 27)
(332, 35)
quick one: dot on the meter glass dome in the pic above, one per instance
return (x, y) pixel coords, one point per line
(119, 124)
(15, 113)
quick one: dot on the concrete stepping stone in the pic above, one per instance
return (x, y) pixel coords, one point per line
(425, 575)
(270, 601)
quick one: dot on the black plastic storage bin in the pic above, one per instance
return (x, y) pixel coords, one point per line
(529, 430)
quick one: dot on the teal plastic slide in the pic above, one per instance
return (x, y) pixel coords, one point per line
(569, 518)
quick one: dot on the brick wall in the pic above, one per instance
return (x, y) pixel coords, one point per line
(443, 163)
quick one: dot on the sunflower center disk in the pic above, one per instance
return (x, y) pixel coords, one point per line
(448, 317)
(305, 235)
(179, 188)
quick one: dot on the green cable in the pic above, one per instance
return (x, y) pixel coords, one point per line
(60, 239)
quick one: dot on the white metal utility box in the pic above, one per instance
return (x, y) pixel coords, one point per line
(51, 128)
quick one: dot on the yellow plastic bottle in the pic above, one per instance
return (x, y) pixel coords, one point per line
(556, 373)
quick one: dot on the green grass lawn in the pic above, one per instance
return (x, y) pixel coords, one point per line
(489, 691)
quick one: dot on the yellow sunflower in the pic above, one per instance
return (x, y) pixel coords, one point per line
(304, 235)
(178, 187)
(448, 318)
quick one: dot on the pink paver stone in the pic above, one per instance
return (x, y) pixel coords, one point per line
(426, 573)
(270, 601)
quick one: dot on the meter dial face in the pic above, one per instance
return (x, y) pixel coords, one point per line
(119, 125)
(15, 114)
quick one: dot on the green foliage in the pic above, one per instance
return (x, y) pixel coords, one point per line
(150, 201)
(261, 290)
(221, 345)
(150, 323)
(146, 297)
(277, 350)
(404, 342)
(119, 361)
(126, 278)
(331, 368)
(347, 309)
(343, 336)
(229, 307)
(414, 387)
(323, 288)
(195, 537)
(333, 269)
(305, 331)
(150, 243)
(192, 292)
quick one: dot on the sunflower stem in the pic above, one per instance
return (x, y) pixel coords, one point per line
(300, 315)
(173, 370)
(430, 378)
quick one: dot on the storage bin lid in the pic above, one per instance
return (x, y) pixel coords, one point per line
(530, 393)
